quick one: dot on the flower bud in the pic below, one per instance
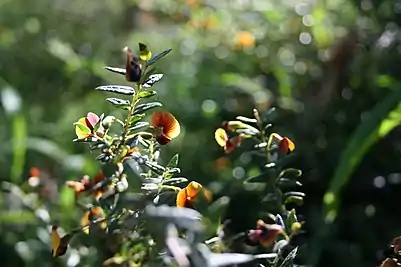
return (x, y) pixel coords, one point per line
(296, 226)
(108, 121)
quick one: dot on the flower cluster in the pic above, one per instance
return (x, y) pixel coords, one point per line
(141, 202)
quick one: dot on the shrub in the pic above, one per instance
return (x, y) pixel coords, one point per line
(156, 217)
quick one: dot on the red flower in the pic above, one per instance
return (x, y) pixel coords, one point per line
(265, 234)
(166, 125)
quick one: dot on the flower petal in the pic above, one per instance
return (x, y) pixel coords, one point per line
(193, 188)
(163, 139)
(132, 69)
(56, 240)
(181, 198)
(92, 119)
(221, 137)
(81, 129)
(286, 145)
(169, 124)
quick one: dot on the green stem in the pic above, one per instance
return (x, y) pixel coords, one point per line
(135, 101)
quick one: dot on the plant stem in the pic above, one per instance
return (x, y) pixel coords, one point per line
(135, 101)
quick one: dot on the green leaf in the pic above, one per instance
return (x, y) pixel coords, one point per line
(294, 199)
(298, 194)
(159, 56)
(383, 118)
(116, 70)
(145, 107)
(173, 163)
(154, 78)
(261, 178)
(139, 125)
(120, 103)
(290, 173)
(137, 117)
(155, 168)
(146, 94)
(173, 181)
(118, 89)
(291, 218)
(290, 258)
(285, 182)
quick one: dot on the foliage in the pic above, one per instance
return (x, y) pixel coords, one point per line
(141, 214)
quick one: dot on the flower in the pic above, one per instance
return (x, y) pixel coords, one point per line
(86, 184)
(229, 144)
(244, 39)
(89, 126)
(166, 125)
(265, 234)
(186, 197)
(133, 70)
(90, 215)
(285, 145)
(59, 244)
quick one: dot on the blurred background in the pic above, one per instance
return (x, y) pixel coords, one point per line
(332, 69)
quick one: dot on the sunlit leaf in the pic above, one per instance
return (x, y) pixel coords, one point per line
(137, 117)
(116, 70)
(139, 125)
(144, 107)
(146, 94)
(173, 181)
(118, 89)
(154, 78)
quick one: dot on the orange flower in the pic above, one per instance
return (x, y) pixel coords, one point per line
(244, 39)
(166, 125)
(85, 184)
(285, 144)
(229, 144)
(186, 197)
(96, 213)
(265, 234)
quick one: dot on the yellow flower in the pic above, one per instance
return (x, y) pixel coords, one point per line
(59, 244)
(229, 144)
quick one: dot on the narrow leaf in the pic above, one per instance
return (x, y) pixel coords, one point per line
(116, 70)
(174, 181)
(139, 125)
(146, 94)
(290, 258)
(154, 78)
(118, 89)
(121, 103)
(144, 107)
(159, 56)
(134, 119)
(173, 163)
